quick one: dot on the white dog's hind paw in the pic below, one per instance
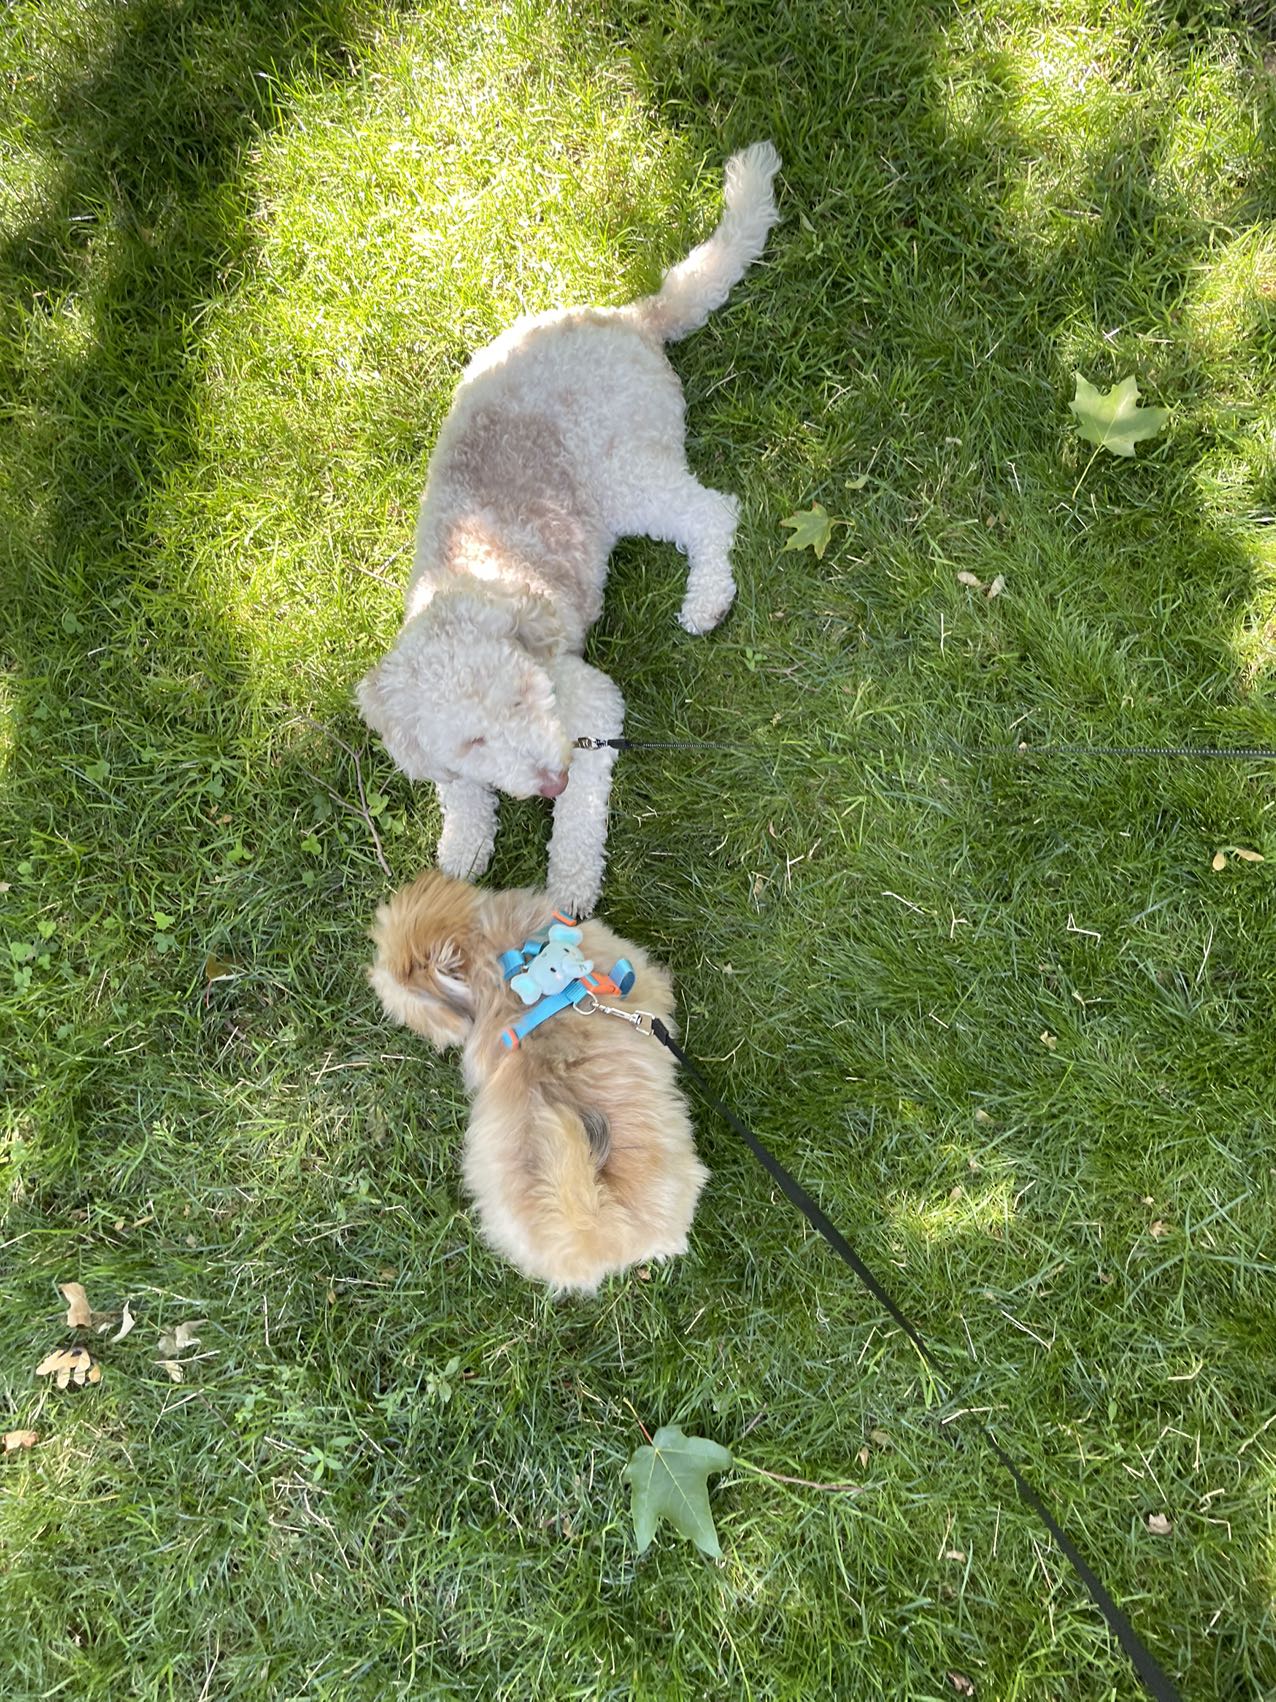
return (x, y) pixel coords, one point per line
(701, 612)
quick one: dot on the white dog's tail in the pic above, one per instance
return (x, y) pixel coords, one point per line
(701, 282)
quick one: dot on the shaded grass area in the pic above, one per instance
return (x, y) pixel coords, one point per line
(997, 1010)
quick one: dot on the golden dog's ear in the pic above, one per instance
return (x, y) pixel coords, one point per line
(421, 971)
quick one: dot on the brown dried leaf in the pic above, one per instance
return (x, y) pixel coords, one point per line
(179, 1338)
(127, 1322)
(1159, 1524)
(970, 579)
(15, 1439)
(79, 1314)
(996, 588)
(1218, 861)
(1247, 856)
(961, 1684)
(1157, 1228)
(70, 1365)
(173, 1367)
(863, 1456)
(1049, 1040)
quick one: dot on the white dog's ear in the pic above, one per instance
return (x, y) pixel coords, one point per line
(537, 628)
(525, 617)
(369, 694)
(389, 702)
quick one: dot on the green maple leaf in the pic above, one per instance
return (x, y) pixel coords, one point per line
(670, 1478)
(1112, 419)
(811, 528)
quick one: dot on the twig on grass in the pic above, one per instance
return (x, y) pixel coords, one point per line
(345, 803)
(801, 1482)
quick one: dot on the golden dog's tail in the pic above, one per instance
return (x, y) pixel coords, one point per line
(580, 1218)
(701, 282)
(569, 1199)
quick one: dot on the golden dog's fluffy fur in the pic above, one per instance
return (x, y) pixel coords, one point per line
(579, 1154)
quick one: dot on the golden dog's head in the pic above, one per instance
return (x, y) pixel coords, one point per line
(426, 938)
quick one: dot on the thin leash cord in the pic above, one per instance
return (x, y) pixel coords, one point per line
(1201, 753)
(1154, 1679)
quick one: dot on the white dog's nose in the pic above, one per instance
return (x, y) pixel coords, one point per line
(550, 785)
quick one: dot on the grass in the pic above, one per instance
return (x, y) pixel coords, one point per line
(999, 1013)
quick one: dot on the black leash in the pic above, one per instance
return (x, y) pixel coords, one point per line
(1202, 753)
(1154, 1678)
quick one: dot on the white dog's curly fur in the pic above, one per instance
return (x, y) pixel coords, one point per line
(579, 1153)
(565, 434)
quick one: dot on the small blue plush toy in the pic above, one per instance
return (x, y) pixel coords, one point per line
(555, 965)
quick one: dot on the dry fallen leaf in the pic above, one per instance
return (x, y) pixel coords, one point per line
(1159, 1524)
(961, 1684)
(79, 1314)
(15, 1439)
(970, 579)
(863, 1456)
(1048, 1039)
(996, 588)
(173, 1367)
(70, 1365)
(179, 1338)
(954, 1554)
(880, 1438)
(1219, 859)
(1157, 1228)
(127, 1322)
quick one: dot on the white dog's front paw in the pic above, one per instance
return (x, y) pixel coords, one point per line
(469, 830)
(575, 875)
(577, 898)
(463, 860)
(703, 609)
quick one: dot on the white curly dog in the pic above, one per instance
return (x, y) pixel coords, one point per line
(565, 434)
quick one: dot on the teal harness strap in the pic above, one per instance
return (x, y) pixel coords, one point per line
(513, 1036)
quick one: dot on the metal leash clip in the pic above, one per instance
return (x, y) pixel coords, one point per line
(641, 1020)
(585, 743)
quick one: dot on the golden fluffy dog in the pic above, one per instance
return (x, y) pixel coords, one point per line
(579, 1154)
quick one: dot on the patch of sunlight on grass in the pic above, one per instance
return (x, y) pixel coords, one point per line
(8, 719)
(463, 178)
(964, 1210)
(1084, 112)
(1254, 637)
(1235, 299)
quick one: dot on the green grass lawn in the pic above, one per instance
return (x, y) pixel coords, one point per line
(999, 1013)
